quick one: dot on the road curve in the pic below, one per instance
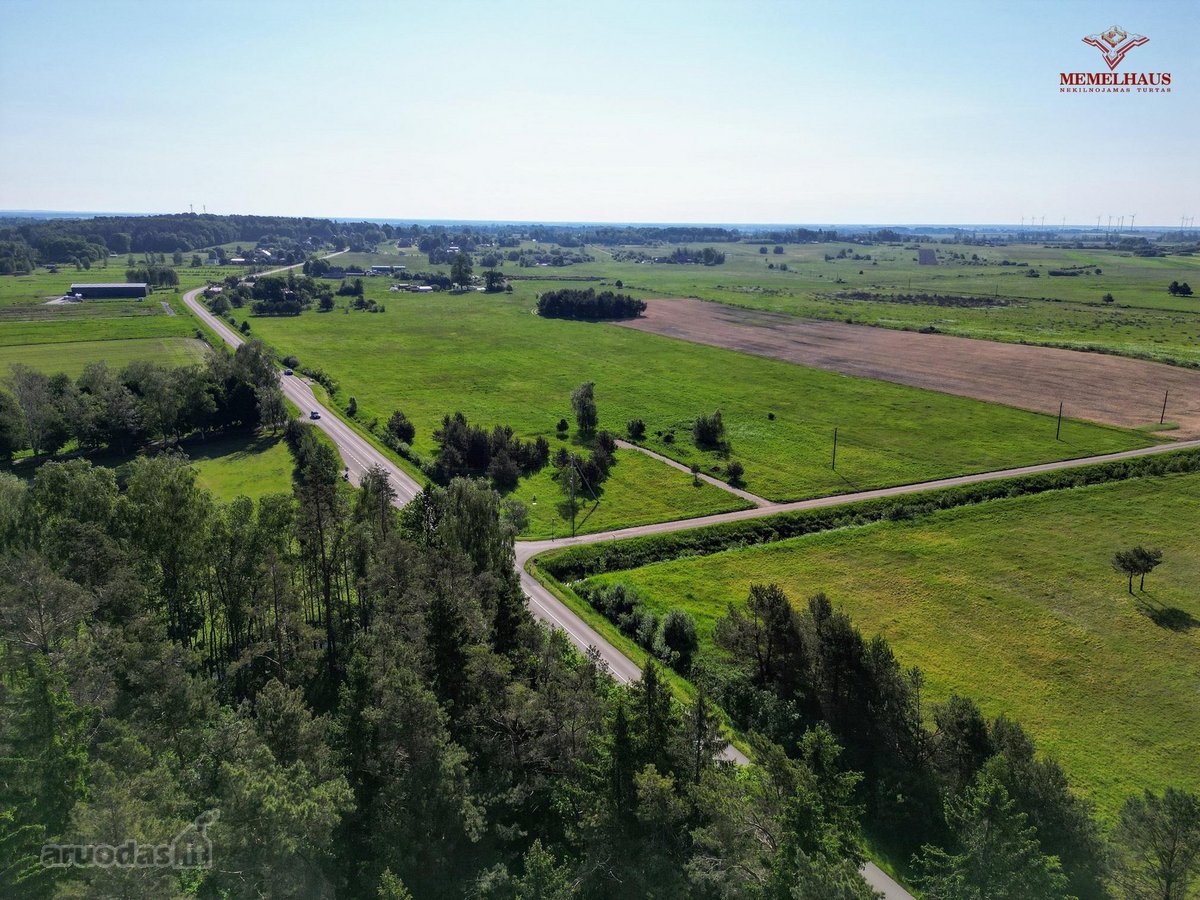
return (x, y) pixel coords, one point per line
(359, 455)
(526, 550)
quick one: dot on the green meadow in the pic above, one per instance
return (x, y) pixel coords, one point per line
(71, 357)
(492, 358)
(1013, 603)
(639, 490)
(237, 466)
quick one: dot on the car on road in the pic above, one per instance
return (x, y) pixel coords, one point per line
(288, 372)
(314, 415)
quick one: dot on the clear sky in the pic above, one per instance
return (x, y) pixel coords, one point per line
(783, 112)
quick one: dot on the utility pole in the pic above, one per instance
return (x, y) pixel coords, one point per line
(1163, 417)
(1058, 431)
(834, 466)
(571, 497)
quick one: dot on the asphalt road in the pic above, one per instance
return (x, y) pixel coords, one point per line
(358, 455)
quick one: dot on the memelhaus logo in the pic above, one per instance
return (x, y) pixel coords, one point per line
(1114, 44)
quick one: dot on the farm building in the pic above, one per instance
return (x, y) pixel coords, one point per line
(108, 291)
(386, 270)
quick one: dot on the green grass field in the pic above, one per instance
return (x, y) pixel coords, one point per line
(1014, 603)
(235, 466)
(65, 337)
(72, 356)
(639, 490)
(490, 357)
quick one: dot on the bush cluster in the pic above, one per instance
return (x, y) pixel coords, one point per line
(671, 639)
(571, 303)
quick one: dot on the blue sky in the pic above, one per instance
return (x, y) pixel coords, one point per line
(644, 111)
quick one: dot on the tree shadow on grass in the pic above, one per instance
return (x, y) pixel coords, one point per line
(1169, 617)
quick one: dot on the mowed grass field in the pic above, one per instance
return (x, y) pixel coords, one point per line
(492, 358)
(241, 466)
(1014, 604)
(71, 357)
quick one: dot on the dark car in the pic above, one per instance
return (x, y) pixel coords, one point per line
(314, 415)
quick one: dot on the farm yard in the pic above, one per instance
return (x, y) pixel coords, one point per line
(1013, 603)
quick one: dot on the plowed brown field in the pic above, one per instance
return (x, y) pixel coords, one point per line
(1094, 386)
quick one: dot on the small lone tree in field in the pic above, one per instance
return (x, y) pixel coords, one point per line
(734, 472)
(695, 474)
(583, 402)
(1126, 562)
(562, 428)
(636, 429)
(1149, 559)
(1138, 561)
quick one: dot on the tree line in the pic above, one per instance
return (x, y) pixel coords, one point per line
(362, 696)
(586, 304)
(143, 401)
(970, 801)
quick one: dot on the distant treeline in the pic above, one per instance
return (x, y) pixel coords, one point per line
(709, 256)
(24, 243)
(571, 303)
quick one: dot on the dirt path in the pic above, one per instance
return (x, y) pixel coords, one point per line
(715, 482)
(1099, 387)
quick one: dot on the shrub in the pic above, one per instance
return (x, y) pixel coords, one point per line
(401, 428)
(709, 431)
(734, 472)
(676, 642)
(636, 429)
